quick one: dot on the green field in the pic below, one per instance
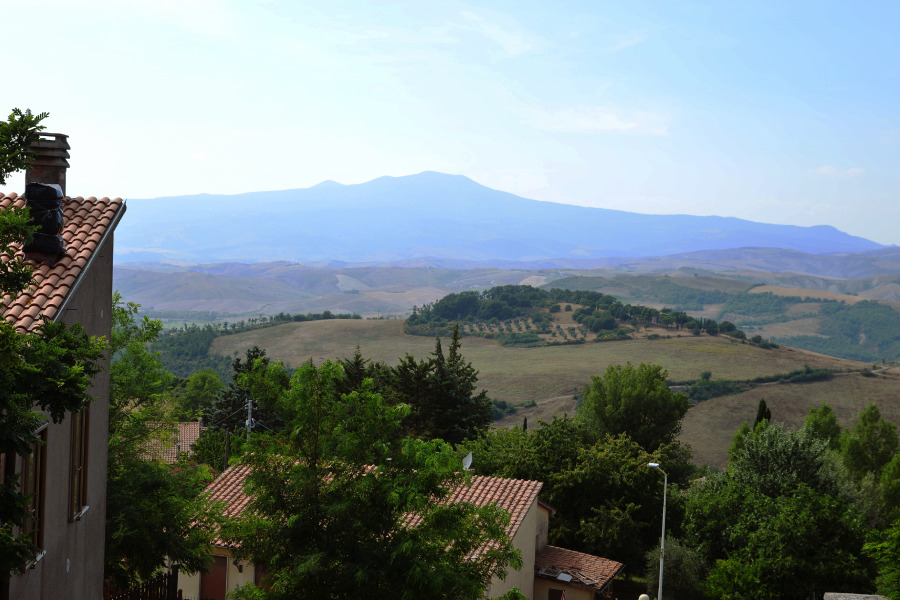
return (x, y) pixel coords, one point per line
(549, 376)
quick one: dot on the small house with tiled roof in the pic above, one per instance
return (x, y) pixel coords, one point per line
(68, 471)
(577, 575)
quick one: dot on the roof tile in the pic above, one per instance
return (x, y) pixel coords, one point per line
(84, 223)
(586, 569)
(516, 496)
(184, 434)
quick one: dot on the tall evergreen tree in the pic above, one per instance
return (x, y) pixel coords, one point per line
(762, 412)
(468, 412)
(441, 392)
(358, 369)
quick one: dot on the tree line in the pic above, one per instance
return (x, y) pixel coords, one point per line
(185, 350)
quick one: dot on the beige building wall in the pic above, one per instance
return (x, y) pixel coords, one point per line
(72, 563)
(542, 589)
(524, 541)
(235, 577)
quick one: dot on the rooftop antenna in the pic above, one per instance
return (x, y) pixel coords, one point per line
(467, 461)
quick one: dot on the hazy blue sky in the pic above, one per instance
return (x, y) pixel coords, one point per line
(784, 112)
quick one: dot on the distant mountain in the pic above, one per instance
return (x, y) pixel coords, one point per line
(447, 217)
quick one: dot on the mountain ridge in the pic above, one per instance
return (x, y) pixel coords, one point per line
(431, 214)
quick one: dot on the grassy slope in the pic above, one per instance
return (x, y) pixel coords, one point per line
(551, 375)
(709, 426)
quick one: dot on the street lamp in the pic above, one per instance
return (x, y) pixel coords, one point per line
(662, 543)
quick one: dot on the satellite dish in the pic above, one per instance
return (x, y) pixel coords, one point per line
(467, 461)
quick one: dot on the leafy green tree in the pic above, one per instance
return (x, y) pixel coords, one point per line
(357, 369)
(154, 511)
(774, 457)
(793, 545)
(609, 502)
(885, 549)
(48, 369)
(870, 445)
(200, 393)
(775, 524)
(333, 495)
(890, 486)
(822, 423)
(17, 134)
(216, 448)
(684, 571)
(635, 401)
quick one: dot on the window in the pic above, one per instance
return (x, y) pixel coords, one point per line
(78, 475)
(33, 486)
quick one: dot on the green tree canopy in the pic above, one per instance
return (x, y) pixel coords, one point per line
(822, 423)
(229, 412)
(154, 510)
(870, 445)
(442, 393)
(332, 495)
(634, 401)
(776, 524)
(17, 134)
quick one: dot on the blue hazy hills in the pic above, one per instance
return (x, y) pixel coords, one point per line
(447, 217)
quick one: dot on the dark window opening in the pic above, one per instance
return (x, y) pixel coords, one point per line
(78, 475)
(33, 477)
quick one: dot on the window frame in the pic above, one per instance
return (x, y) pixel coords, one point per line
(34, 480)
(78, 469)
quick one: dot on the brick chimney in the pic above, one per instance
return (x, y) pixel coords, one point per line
(49, 164)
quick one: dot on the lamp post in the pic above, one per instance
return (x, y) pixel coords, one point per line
(662, 543)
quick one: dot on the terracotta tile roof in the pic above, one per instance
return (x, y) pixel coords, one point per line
(585, 570)
(229, 488)
(167, 448)
(514, 495)
(86, 221)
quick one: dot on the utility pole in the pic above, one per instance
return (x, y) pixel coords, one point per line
(249, 417)
(662, 543)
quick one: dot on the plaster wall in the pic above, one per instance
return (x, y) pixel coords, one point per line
(542, 590)
(524, 542)
(234, 578)
(72, 563)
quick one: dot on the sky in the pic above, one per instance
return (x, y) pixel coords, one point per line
(781, 112)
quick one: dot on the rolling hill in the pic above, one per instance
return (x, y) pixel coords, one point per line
(544, 381)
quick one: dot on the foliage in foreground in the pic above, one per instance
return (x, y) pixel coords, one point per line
(343, 505)
(154, 510)
(787, 519)
(636, 401)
